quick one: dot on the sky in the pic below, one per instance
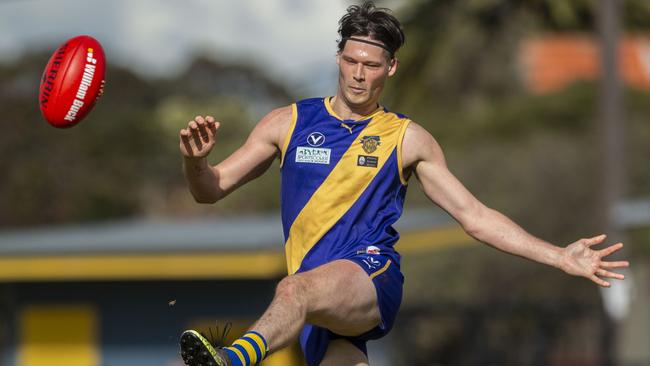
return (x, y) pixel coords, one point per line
(295, 40)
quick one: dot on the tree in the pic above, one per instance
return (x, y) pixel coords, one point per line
(123, 160)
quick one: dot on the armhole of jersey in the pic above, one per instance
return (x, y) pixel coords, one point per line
(287, 138)
(400, 138)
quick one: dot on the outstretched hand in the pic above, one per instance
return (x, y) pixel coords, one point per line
(580, 260)
(197, 140)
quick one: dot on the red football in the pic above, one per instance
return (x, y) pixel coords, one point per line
(72, 82)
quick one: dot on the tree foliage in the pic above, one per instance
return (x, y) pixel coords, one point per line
(123, 159)
(534, 157)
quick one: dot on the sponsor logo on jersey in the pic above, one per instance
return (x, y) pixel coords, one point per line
(370, 143)
(313, 155)
(368, 161)
(316, 139)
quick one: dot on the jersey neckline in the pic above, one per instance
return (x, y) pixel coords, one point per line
(328, 106)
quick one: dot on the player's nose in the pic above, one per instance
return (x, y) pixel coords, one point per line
(359, 73)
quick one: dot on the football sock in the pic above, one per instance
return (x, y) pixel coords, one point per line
(248, 350)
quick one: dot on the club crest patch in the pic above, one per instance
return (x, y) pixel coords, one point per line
(370, 143)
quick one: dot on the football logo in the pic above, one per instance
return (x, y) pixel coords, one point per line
(370, 143)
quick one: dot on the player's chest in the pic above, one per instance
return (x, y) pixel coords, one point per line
(321, 149)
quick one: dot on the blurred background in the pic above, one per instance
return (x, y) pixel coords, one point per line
(541, 106)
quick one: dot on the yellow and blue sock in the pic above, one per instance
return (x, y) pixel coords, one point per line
(248, 350)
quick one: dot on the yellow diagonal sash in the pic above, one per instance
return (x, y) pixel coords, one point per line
(340, 190)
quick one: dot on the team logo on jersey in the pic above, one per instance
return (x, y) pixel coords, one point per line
(369, 161)
(315, 139)
(370, 143)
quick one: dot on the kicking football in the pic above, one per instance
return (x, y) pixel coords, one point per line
(72, 82)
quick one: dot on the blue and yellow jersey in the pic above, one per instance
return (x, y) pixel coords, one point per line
(342, 184)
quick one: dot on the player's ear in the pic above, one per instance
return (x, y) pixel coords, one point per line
(392, 66)
(338, 58)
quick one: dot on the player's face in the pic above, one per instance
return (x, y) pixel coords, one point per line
(363, 70)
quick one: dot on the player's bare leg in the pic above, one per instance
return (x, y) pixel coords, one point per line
(338, 296)
(343, 353)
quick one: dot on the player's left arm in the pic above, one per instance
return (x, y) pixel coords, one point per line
(423, 157)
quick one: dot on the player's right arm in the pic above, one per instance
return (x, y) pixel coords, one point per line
(209, 184)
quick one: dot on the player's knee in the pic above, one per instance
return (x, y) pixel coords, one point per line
(292, 289)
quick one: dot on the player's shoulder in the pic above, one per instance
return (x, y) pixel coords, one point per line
(278, 115)
(308, 102)
(397, 115)
(278, 118)
(416, 134)
(419, 144)
(285, 114)
(274, 125)
(310, 106)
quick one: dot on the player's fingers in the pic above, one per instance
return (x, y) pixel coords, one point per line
(604, 273)
(199, 119)
(185, 140)
(210, 121)
(185, 134)
(213, 125)
(194, 130)
(619, 264)
(197, 142)
(599, 281)
(192, 126)
(595, 240)
(609, 250)
(203, 131)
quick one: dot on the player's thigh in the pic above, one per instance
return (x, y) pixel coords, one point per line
(343, 353)
(342, 298)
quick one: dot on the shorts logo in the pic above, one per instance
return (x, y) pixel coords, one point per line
(370, 143)
(313, 155)
(369, 250)
(371, 262)
(369, 161)
(373, 250)
(315, 139)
